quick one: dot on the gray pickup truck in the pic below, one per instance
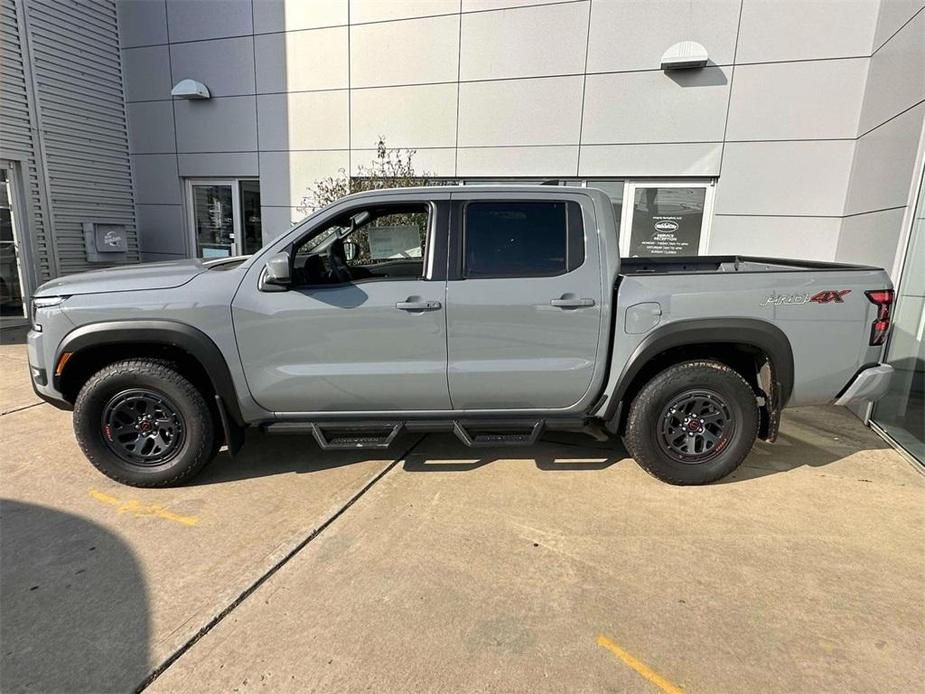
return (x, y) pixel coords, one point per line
(493, 312)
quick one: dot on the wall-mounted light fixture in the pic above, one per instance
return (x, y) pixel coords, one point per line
(685, 55)
(190, 89)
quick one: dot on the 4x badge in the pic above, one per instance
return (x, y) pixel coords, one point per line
(827, 296)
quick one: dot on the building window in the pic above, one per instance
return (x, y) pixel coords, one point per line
(224, 217)
(666, 218)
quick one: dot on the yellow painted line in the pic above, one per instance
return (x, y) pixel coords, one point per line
(140, 510)
(639, 666)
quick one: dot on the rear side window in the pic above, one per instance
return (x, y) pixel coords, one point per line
(522, 239)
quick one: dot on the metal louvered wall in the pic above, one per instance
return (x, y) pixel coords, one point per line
(68, 119)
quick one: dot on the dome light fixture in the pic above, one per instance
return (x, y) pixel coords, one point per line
(685, 55)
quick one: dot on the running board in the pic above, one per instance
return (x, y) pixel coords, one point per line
(475, 433)
(334, 436)
(488, 434)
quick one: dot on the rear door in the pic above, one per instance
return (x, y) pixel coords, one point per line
(524, 301)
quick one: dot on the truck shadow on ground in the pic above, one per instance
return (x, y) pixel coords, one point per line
(810, 437)
(74, 605)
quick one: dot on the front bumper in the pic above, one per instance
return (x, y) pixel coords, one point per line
(41, 376)
(868, 385)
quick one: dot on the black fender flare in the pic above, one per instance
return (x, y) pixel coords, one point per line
(699, 331)
(159, 332)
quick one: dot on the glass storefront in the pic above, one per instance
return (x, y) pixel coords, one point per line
(901, 412)
(225, 217)
(11, 289)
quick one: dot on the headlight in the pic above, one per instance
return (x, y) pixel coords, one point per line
(43, 302)
(47, 301)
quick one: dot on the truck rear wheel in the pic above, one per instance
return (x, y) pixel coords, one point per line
(693, 423)
(141, 423)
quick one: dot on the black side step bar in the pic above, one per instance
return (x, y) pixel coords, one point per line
(475, 433)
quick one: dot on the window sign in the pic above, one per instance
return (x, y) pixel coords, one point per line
(669, 219)
(397, 241)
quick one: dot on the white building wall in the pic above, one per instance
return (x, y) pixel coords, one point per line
(515, 88)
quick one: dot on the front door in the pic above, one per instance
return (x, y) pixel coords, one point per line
(524, 304)
(362, 328)
(224, 217)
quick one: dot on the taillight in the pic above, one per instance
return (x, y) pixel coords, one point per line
(883, 298)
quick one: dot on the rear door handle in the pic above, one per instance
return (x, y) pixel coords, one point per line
(418, 305)
(571, 303)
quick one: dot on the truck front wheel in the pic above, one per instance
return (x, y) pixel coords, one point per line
(142, 423)
(693, 423)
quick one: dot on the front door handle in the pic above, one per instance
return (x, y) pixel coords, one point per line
(418, 305)
(571, 302)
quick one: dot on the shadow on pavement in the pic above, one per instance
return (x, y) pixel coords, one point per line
(811, 436)
(73, 605)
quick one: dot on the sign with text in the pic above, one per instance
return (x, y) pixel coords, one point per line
(667, 221)
(398, 241)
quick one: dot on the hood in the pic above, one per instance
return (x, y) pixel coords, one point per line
(125, 278)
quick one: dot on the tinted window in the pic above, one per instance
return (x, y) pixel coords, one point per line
(521, 239)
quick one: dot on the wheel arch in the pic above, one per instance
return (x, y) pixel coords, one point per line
(734, 341)
(97, 344)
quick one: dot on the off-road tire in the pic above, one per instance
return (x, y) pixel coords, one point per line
(649, 407)
(158, 376)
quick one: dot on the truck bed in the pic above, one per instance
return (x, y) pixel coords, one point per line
(686, 265)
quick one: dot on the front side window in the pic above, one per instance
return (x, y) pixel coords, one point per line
(522, 239)
(386, 242)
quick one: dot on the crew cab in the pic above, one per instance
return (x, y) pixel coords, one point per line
(494, 312)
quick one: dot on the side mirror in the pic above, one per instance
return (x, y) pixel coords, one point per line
(276, 275)
(351, 250)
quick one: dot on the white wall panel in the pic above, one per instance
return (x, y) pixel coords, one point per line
(287, 177)
(156, 180)
(191, 20)
(896, 79)
(688, 106)
(415, 51)
(893, 14)
(792, 101)
(517, 161)
(226, 124)
(870, 239)
(693, 159)
(146, 73)
(378, 11)
(141, 23)
(480, 5)
(163, 229)
(884, 164)
(784, 178)
(633, 35)
(225, 66)
(303, 120)
(302, 60)
(517, 43)
(150, 127)
(520, 112)
(805, 29)
(812, 238)
(422, 116)
(242, 164)
(439, 161)
(292, 15)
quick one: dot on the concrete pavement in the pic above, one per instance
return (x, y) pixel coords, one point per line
(559, 567)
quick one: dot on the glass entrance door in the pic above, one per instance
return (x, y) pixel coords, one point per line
(224, 217)
(12, 302)
(670, 218)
